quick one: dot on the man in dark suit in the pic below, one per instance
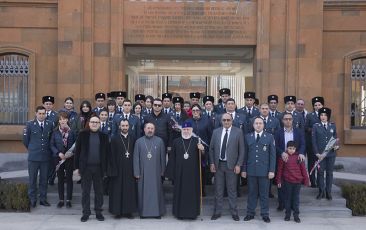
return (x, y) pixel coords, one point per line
(259, 167)
(282, 136)
(226, 155)
(167, 103)
(36, 138)
(99, 101)
(91, 151)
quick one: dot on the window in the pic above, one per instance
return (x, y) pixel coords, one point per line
(358, 93)
(14, 70)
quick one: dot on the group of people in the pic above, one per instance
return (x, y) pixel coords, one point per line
(128, 149)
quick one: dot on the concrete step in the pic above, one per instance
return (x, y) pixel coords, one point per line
(309, 206)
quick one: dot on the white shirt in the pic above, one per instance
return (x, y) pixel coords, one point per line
(128, 116)
(102, 124)
(41, 123)
(222, 139)
(260, 134)
(232, 114)
(289, 135)
(326, 125)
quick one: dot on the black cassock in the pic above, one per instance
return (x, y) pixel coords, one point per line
(184, 170)
(122, 186)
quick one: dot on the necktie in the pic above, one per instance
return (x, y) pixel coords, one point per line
(48, 115)
(265, 122)
(209, 114)
(110, 117)
(178, 117)
(103, 126)
(42, 126)
(249, 112)
(303, 115)
(126, 117)
(325, 126)
(257, 139)
(149, 111)
(120, 109)
(166, 111)
(223, 146)
(272, 114)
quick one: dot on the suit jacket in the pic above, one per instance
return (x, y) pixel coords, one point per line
(57, 143)
(235, 147)
(219, 108)
(261, 157)
(37, 141)
(82, 151)
(253, 113)
(298, 138)
(321, 136)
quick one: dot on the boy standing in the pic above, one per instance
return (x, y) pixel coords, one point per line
(291, 175)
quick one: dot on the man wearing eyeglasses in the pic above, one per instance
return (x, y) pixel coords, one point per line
(226, 155)
(282, 136)
(162, 122)
(91, 151)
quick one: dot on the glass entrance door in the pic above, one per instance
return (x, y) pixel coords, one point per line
(155, 70)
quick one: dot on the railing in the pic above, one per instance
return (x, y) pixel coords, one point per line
(14, 70)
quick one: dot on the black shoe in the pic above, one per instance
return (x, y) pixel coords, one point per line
(84, 218)
(287, 218)
(44, 203)
(33, 204)
(129, 216)
(60, 204)
(248, 217)
(99, 217)
(328, 196)
(235, 217)
(266, 219)
(320, 195)
(280, 208)
(271, 195)
(297, 219)
(215, 216)
(78, 182)
(68, 204)
(157, 217)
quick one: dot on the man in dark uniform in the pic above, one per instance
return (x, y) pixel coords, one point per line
(140, 98)
(99, 101)
(51, 117)
(209, 110)
(178, 114)
(120, 97)
(148, 106)
(239, 119)
(311, 119)
(133, 120)
(105, 126)
(36, 138)
(249, 110)
(195, 98)
(167, 103)
(290, 108)
(273, 103)
(259, 167)
(224, 95)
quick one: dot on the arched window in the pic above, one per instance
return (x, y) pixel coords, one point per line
(358, 93)
(14, 72)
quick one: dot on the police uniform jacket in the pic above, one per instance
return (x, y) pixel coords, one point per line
(261, 156)
(321, 136)
(37, 141)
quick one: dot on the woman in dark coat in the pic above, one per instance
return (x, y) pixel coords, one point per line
(61, 141)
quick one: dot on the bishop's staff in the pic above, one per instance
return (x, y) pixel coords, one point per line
(200, 165)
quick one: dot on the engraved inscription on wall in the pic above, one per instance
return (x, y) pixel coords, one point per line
(231, 22)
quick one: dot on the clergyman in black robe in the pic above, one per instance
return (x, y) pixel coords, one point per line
(123, 187)
(183, 168)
